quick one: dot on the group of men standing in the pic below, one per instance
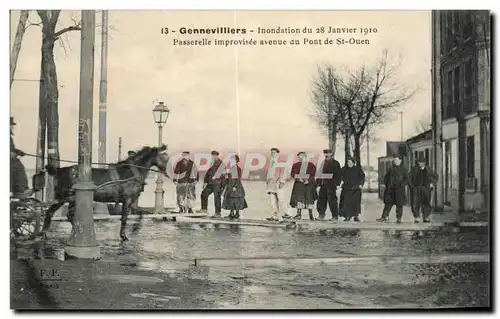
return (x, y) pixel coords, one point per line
(311, 190)
(308, 191)
(420, 180)
(186, 176)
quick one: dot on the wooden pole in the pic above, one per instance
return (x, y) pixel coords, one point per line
(368, 170)
(437, 104)
(332, 118)
(82, 242)
(119, 149)
(16, 48)
(401, 114)
(103, 89)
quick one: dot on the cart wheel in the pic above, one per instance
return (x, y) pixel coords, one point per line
(25, 223)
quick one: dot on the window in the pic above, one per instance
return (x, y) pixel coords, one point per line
(455, 28)
(447, 169)
(469, 77)
(415, 154)
(426, 156)
(448, 26)
(449, 108)
(468, 24)
(456, 85)
(470, 156)
(454, 163)
(402, 150)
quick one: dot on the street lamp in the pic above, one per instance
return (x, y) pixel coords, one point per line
(160, 113)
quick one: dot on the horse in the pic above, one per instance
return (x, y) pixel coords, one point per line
(122, 183)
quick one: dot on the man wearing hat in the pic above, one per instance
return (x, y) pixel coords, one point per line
(327, 194)
(212, 183)
(275, 186)
(395, 181)
(422, 180)
(18, 179)
(185, 179)
(130, 155)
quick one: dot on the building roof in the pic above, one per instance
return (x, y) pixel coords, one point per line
(395, 147)
(427, 135)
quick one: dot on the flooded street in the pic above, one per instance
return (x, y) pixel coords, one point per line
(248, 267)
(292, 283)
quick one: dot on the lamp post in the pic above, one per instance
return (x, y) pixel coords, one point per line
(160, 113)
(82, 242)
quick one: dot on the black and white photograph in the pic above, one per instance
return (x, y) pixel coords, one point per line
(250, 159)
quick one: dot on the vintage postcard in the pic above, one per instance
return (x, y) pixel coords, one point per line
(247, 160)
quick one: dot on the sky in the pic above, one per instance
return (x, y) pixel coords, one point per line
(225, 98)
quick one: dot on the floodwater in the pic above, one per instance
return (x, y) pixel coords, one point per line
(169, 248)
(294, 284)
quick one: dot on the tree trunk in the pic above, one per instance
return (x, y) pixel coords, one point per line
(51, 98)
(357, 149)
(332, 136)
(347, 146)
(16, 48)
(42, 128)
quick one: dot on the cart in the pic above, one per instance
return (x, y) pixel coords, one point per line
(26, 214)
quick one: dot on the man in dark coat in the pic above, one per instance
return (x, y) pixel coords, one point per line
(18, 179)
(422, 180)
(212, 183)
(395, 181)
(328, 186)
(185, 179)
(353, 179)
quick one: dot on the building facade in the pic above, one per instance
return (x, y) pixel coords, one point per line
(461, 88)
(421, 146)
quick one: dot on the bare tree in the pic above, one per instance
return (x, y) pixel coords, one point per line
(367, 96)
(18, 40)
(49, 93)
(324, 112)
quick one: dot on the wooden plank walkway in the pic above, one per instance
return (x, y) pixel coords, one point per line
(319, 225)
(406, 226)
(241, 222)
(198, 218)
(164, 217)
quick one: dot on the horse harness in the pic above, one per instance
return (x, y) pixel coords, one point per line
(116, 179)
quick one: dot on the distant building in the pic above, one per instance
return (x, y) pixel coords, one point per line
(411, 150)
(420, 145)
(461, 107)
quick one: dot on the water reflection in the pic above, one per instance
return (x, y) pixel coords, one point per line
(235, 229)
(169, 248)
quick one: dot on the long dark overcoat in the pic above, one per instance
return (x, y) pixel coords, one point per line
(353, 179)
(395, 181)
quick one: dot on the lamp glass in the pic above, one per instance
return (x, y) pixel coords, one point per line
(160, 113)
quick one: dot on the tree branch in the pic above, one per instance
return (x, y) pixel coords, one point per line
(68, 29)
